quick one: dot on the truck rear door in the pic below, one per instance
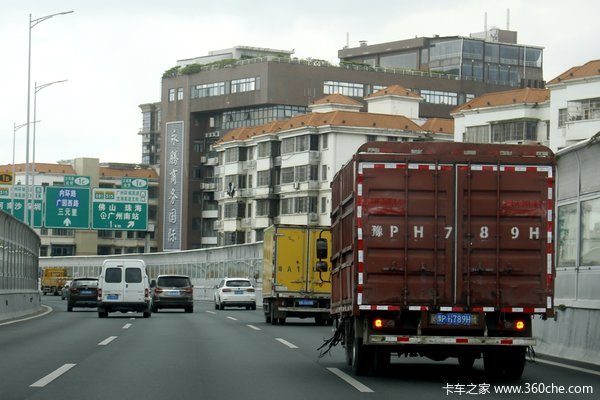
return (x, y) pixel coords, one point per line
(290, 256)
(453, 235)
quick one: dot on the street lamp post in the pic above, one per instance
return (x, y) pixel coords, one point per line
(32, 24)
(14, 181)
(37, 88)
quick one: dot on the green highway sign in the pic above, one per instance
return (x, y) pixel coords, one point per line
(12, 201)
(67, 207)
(134, 183)
(77, 181)
(120, 209)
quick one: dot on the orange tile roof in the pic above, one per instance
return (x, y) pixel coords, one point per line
(439, 125)
(334, 118)
(42, 168)
(591, 68)
(128, 172)
(518, 96)
(394, 90)
(337, 98)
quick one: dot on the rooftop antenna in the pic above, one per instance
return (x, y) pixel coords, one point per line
(508, 19)
(485, 25)
(347, 39)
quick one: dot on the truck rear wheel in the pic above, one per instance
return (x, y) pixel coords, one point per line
(362, 357)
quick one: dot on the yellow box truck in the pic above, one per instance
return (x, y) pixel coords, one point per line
(296, 273)
(53, 279)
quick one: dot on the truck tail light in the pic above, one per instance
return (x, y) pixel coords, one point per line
(377, 323)
(519, 325)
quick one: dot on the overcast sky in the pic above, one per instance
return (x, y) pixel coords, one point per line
(113, 52)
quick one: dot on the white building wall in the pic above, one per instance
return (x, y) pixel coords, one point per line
(572, 131)
(394, 106)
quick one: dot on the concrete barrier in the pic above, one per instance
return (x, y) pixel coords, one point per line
(19, 303)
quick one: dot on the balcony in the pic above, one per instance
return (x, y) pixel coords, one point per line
(210, 214)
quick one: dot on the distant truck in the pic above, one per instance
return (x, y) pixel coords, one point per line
(442, 250)
(296, 283)
(53, 280)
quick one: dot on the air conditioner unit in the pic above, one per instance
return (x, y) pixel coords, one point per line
(296, 185)
(313, 217)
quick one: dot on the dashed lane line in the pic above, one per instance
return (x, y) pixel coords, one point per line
(127, 326)
(52, 376)
(256, 328)
(211, 312)
(288, 344)
(351, 381)
(233, 319)
(107, 340)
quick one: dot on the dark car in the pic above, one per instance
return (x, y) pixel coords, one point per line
(172, 291)
(83, 292)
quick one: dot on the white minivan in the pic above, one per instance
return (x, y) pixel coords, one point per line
(123, 285)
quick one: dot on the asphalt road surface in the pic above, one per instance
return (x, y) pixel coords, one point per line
(232, 354)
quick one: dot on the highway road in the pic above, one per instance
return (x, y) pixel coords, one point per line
(229, 354)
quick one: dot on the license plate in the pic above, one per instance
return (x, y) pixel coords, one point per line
(86, 292)
(306, 302)
(455, 319)
(112, 297)
(238, 292)
(173, 293)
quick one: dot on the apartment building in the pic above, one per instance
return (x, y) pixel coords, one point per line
(280, 173)
(204, 98)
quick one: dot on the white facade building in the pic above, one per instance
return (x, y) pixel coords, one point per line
(280, 173)
(575, 105)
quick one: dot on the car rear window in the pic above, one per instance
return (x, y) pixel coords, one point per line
(173, 281)
(133, 275)
(86, 282)
(240, 283)
(113, 275)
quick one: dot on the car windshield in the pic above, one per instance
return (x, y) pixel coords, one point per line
(239, 283)
(173, 281)
(86, 282)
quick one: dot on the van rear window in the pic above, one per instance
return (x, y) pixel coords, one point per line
(133, 275)
(113, 275)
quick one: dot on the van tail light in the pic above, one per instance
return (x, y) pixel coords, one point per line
(99, 294)
(146, 293)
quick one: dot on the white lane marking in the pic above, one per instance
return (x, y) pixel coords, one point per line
(350, 380)
(107, 340)
(52, 376)
(233, 319)
(557, 364)
(127, 326)
(256, 328)
(211, 312)
(48, 310)
(288, 344)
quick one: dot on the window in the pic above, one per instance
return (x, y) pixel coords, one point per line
(324, 172)
(264, 149)
(439, 97)
(245, 85)
(514, 131)
(477, 134)
(262, 207)
(567, 235)
(113, 275)
(407, 60)
(590, 232)
(133, 275)
(324, 141)
(171, 95)
(287, 175)
(208, 90)
(345, 88)
(323, 205)
(180, 94)
(562, 117)
(263, 178)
